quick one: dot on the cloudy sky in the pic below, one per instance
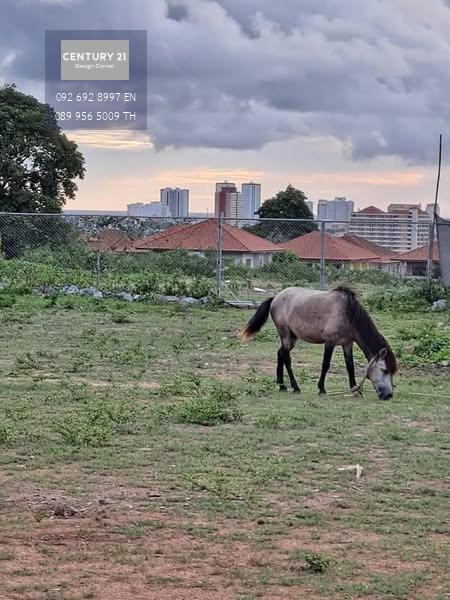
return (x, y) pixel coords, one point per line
(337, 97)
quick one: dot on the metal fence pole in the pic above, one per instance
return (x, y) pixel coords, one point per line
(430, 255)
(97, 269)
(219, 257)
(322, 255)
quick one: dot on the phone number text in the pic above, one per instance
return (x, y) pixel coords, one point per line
(96, 116)
(96, 97)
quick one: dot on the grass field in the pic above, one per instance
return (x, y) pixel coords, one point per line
(112, 488)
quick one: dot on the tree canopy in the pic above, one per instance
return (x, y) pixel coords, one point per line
(286, 204)
(37, 162)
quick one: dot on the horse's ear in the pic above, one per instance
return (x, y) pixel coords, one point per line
(382, 354)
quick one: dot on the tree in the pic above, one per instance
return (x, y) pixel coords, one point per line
(37, 167)
(287, 204)
(37, 162)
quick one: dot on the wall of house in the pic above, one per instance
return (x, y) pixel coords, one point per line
(251, 260)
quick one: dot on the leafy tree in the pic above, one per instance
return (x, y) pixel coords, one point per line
(287, 204)
(38, 165)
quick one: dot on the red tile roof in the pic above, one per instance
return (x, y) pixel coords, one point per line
(419, 254)
(203, 236)
(382, 252)
(111, 240)
(371, 210)
(308, 247)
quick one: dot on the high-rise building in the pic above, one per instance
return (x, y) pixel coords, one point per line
(222, 204)
(339, 209)
(177, 200)
(251, 199)
(236, 208)
(310, 205)
(337, 212)
(401, 228)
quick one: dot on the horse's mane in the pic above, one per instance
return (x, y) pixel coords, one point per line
(360, 319)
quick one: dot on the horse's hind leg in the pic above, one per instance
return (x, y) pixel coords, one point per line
(288, 342)
(328, 353)
(280, 370)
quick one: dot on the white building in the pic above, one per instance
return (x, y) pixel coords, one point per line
(401, 228)
(177, 200)
(236, 208)
(251, 199)
(152, 209)
(339, 209)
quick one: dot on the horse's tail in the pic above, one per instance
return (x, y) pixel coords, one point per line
(257, 321)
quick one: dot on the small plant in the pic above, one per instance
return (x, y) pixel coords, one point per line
(318, 563)
(313, 561)
(7, 433)
(269, 421)
(28, 361)
(120, 318)
(219, 406)
(184, 384)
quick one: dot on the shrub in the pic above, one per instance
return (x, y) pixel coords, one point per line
(318, 563)
(407, 296)
(219, 406)
(94, 424)
(7, 433)
(428, 345)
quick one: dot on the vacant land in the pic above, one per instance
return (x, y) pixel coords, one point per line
(146, 454)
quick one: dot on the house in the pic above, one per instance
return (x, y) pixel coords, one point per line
(336, 250)
(110, 240)
(387, 259)
(414, 263)
(243, 247)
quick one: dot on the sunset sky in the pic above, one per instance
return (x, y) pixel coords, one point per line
(337, 97)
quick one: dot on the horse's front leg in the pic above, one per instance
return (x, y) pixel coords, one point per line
(328, 353)
(348, 354)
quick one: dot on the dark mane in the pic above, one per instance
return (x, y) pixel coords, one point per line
(371, 339)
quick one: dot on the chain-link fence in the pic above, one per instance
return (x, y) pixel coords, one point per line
(231, 258)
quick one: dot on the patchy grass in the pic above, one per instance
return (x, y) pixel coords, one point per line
(111, 486)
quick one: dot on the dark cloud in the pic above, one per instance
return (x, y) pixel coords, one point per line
(177, 12)
(232, 74)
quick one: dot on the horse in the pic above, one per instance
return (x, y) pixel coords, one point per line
(333, 318)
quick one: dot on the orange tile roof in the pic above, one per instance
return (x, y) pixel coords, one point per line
(371, 210)
(420, 254)
(308, 247)
(111, 240)
(382, 252)
(203, 236)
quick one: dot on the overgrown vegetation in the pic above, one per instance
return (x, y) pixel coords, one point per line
(407, 295)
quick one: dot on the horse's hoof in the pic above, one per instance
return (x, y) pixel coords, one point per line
(322, 393)
(283, 388)
(296, 391)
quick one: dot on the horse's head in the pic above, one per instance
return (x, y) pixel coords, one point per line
(381, 375)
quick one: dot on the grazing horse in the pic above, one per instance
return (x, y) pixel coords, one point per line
(333, 318)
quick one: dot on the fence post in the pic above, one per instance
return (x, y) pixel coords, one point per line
(322, 255)
(430, 255)
(97, 268)
(219, 257)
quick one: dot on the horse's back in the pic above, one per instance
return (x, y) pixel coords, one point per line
(311, 315)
